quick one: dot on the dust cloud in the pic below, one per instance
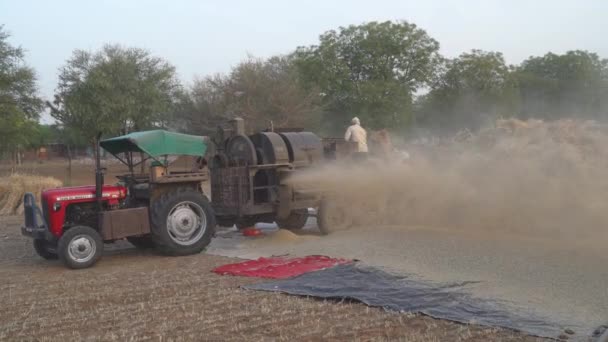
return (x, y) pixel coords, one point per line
(524, 178)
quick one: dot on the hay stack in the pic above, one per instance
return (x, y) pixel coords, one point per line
(13, 188)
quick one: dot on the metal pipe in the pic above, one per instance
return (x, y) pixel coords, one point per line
(238, 126)
(98, 175)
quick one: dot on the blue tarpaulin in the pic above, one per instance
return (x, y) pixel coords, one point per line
(375, 287)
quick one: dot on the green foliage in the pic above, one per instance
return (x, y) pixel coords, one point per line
(258, 90)
(48, 134)
(375, 71)
(471, 89)
(20, 105)
(40, 135)
(370, 71)
(554, 86)
(113, 91)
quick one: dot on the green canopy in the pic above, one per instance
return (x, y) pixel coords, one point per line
(156, 143)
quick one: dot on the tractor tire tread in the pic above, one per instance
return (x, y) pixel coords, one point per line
(40, 246)
(159, 209)
(68, 235)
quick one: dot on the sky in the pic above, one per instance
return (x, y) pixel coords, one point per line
(205, 37)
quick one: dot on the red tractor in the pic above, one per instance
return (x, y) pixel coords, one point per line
(161, 209)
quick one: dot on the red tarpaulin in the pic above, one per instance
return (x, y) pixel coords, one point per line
(279, 267)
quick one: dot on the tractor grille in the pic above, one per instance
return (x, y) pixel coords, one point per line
(229, 189)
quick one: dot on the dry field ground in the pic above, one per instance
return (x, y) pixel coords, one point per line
(132, 295)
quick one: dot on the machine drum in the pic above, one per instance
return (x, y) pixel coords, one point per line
(241, 151)
(270, 147)
(305, 148)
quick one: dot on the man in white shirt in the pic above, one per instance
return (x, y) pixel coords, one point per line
(357, 134)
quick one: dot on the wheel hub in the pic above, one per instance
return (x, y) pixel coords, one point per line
(81, 248)
(186, 223)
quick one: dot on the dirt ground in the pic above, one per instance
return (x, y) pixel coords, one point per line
(140, 296)
(136, 296)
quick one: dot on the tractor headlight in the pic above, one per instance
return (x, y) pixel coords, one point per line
(56, 206)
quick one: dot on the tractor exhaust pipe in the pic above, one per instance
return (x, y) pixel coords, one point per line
(99, 171)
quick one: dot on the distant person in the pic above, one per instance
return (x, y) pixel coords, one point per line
(356, 133)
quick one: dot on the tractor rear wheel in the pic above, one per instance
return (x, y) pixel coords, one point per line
(141, 242)
(332, 217)
(42, 249)
(295, 221)
(80, 247)
(182, 222)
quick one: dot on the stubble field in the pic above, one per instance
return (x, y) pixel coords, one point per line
(132, 295)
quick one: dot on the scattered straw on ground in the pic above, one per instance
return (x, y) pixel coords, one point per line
(12, 189)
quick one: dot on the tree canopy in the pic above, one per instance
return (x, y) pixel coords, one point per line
(469, 90)
(20, 105)
(115, 90)
(258, 90)
(554, 86)
(390, 74)
(370, 71)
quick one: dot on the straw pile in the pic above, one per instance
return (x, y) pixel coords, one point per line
(12, 189)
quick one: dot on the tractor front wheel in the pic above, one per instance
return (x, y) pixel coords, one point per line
(182, 222)
(80, 247)
(42, 249)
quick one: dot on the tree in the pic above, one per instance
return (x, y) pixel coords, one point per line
(20, 105)
(206, 105)
(270, 91)
(572, 84)
(113, 91)
(473, 88)
(40, 135)
(71, 139)
(370, 71)
(258, 90)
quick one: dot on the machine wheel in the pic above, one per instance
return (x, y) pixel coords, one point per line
(331, 217)
(80, 247)
(182, 222)
(296, 220)
(141, 242)
(42, 249)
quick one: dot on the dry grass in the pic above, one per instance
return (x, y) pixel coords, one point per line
(13, 188)
(136, 296)
(83, 173)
